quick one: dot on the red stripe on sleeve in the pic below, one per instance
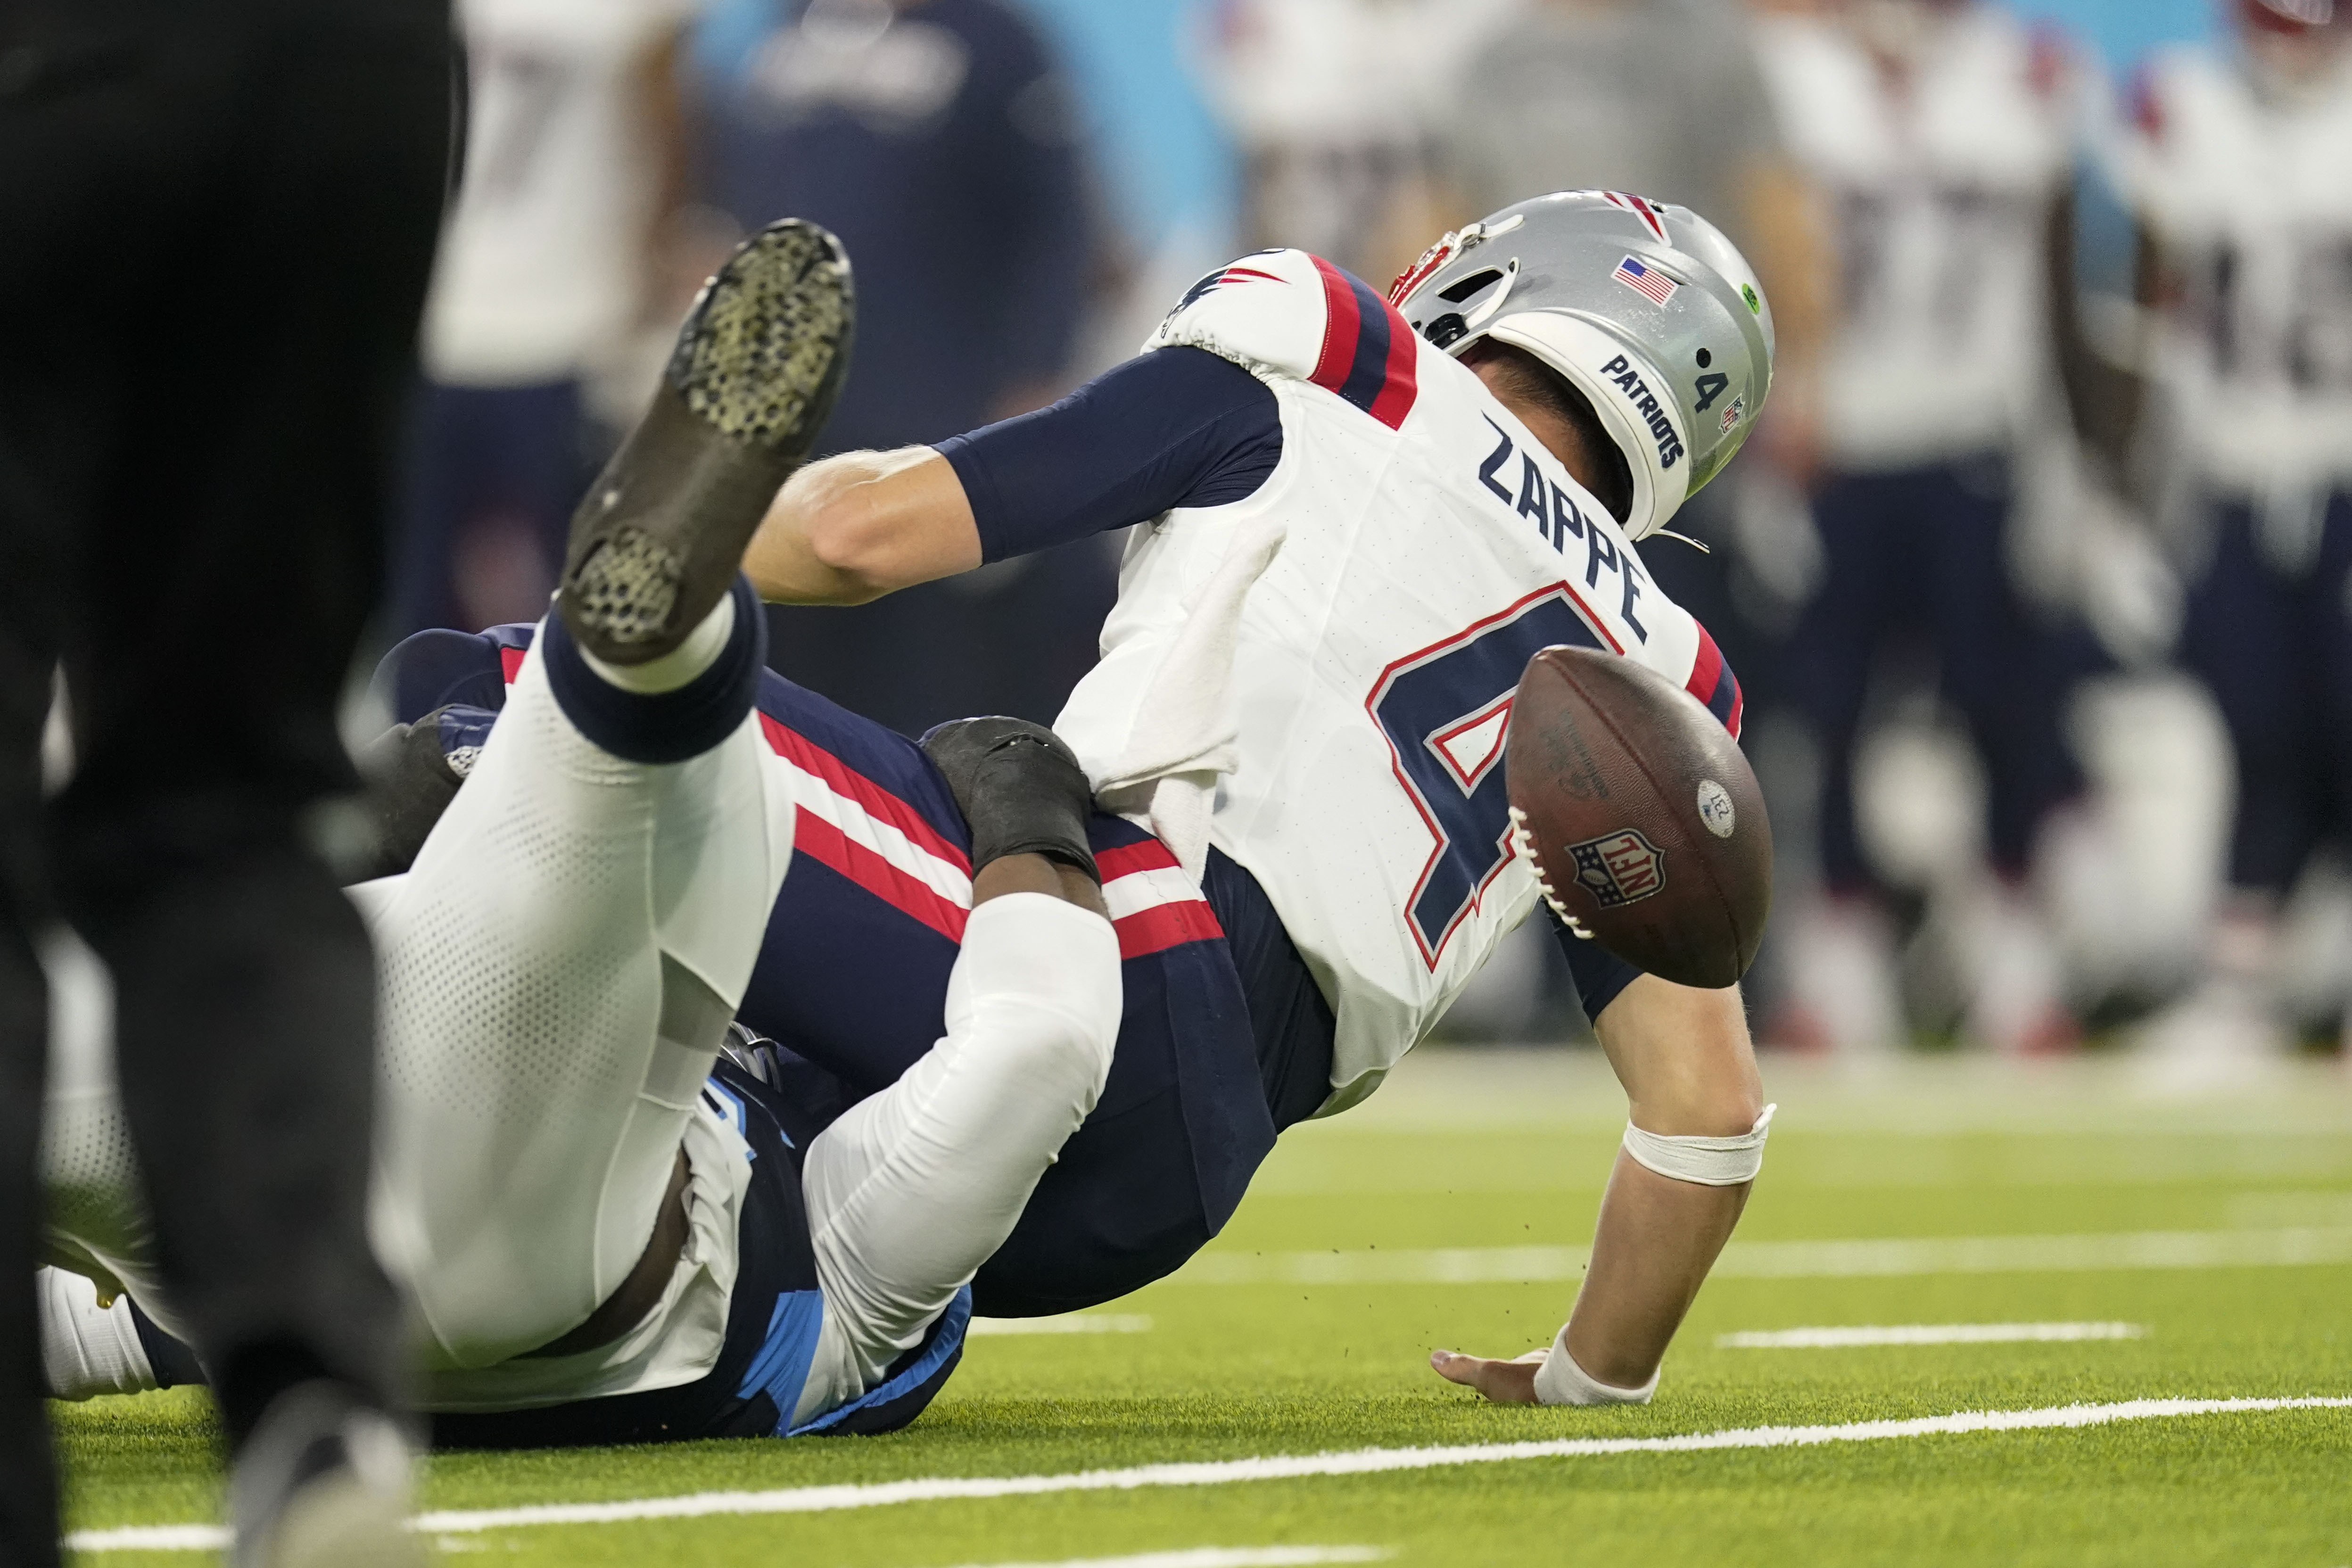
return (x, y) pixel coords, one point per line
(1341, 327)
(1398, 390)
(510, 662)
(1126, 858)
(1163, 926)
(1706, 670)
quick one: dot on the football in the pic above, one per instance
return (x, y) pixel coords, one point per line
(1642, 818)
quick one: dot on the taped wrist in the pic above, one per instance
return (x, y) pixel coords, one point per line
(1705, 1162)
(1020, 790)
(1559, 1381)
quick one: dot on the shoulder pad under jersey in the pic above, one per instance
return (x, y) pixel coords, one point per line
(1284, 313)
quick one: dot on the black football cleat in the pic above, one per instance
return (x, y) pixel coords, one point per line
(659, 538)
(1020, 788)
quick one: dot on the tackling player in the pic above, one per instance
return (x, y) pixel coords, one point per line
(611, 1236)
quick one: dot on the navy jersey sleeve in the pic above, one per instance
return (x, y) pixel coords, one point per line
(1177, 426)
(1600, 974)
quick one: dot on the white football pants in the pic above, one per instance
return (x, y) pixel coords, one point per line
(556, 972)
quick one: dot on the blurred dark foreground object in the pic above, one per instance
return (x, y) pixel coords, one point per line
(220, 221)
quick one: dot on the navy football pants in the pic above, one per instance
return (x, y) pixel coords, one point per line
(1225, 1038)
(1917, 561)
(2273, 642)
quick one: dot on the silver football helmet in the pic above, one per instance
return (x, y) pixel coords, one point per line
(1644, 307)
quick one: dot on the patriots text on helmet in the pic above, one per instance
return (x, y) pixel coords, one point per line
(1662, 429)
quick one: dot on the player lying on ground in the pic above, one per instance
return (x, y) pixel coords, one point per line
(1355, 542)
(610, 1233)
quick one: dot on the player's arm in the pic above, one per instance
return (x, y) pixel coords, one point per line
(2099, 357)
(1689, 1072)
(853, 527)
(1177, 426)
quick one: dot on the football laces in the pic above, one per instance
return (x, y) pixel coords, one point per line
(1524, 842)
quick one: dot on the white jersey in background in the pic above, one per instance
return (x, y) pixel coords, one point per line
(1939, 189)
(1348, 695)
(542, 261)
(2250, 198)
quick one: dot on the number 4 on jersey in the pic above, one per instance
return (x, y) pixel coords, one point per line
(1444, 710)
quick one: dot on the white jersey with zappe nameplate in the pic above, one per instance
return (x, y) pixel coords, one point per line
(1316, 680)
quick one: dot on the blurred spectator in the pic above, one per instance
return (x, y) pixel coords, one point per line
(1333, 103)
(573, 166)
(937, 139)
(1942, 132)
(2235, 164)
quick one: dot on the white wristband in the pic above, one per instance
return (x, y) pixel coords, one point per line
(1559, 1381)
(1706, 1162)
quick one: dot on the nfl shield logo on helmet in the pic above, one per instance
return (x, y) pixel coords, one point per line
(1619, 868)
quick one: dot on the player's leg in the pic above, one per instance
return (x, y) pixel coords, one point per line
(1839, 949)
(2328, 620)
(558, 967)
(1999, 667)
(561, 962)
(913, 1188)
(2239, 636)
(27, 1504)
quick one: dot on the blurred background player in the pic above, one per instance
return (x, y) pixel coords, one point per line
(939, 139)
(1939, 133)
(221, 216)
(2234, 165)
(556, 247)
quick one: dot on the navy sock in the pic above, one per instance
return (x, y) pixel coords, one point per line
(667, 726)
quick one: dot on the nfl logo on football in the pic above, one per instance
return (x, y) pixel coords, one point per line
(1619, 868)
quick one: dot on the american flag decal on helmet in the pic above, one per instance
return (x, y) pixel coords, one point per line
(1646, 282)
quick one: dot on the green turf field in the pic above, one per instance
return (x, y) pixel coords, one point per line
(2208, 1236)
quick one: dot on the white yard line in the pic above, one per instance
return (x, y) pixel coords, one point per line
(1798, 1259)
(1225, 1472)
(1926, 1334)
(1066, 1323)
(1216, 1557)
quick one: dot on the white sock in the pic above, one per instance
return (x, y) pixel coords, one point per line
(673, 670)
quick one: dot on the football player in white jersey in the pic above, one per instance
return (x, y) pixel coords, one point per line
(1939, 133)
(1358, 520)
(2234, 162)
